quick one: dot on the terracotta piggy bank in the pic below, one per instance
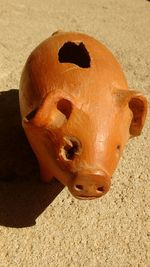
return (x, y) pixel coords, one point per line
(78, 112)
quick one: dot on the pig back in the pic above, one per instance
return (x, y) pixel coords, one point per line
(74, 63)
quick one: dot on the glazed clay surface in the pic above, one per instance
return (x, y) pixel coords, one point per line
(78, 112)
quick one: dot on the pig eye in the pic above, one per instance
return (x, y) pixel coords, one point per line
(31, 114)
(71, 151)
(65, 107)
(71, 148)
(118, 147)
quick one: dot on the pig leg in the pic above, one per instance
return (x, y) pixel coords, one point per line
(46, 175)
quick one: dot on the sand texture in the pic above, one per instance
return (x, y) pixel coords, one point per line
(42, 225)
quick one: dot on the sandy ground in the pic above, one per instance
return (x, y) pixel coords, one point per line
(43, 225)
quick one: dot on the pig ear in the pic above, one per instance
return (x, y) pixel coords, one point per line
(138, 105)
(52, 113)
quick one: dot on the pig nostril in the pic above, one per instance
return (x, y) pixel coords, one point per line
(100, 189)
(79, 187)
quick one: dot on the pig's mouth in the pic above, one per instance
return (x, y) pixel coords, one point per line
(85, 197)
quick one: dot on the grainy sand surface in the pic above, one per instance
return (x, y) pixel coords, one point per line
(43, 225)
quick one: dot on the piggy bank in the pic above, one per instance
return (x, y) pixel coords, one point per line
(78, 112)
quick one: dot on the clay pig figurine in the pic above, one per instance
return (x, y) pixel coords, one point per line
(77, 112)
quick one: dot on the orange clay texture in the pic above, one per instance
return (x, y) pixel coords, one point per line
(41, 223)
(78, 112)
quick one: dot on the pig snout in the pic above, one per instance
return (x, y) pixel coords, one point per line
(90, 186)
(88, 182)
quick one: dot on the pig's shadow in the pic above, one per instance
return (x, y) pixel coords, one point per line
(22, 196)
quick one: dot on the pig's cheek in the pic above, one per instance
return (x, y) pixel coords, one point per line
(46, 156)
(116, 157)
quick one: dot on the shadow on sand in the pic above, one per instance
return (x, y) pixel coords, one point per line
(22, 196)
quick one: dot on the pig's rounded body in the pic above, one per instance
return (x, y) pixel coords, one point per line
(74, 103)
